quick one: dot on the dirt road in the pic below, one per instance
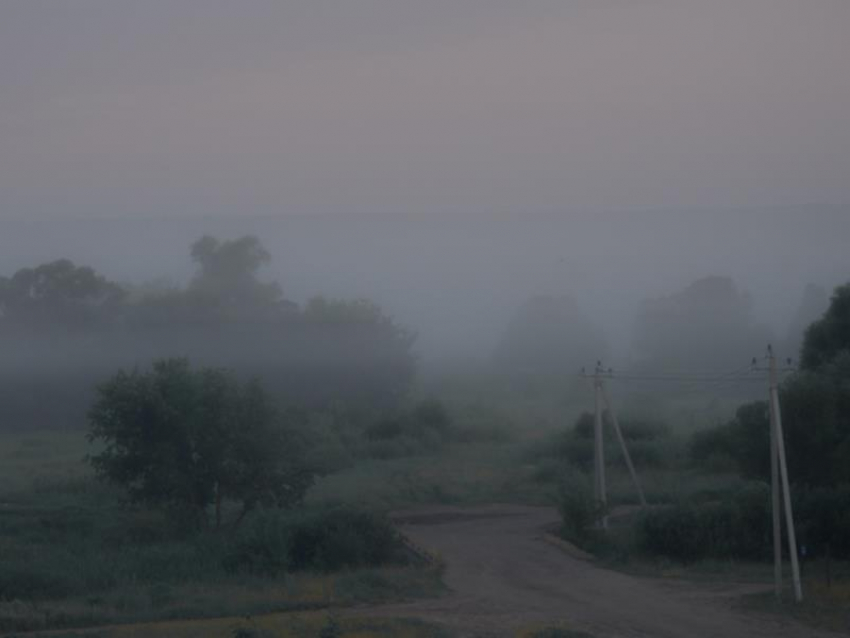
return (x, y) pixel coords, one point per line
(503, 576)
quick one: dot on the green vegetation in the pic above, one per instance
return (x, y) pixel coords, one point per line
(207, 495)
(185, 440)
(557, 632)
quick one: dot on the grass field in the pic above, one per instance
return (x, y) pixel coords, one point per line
(74, 557)
(283, 625)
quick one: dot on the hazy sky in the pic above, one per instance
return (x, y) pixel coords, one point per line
(188, 107)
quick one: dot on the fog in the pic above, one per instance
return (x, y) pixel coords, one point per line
(486, 172)
(456, 280)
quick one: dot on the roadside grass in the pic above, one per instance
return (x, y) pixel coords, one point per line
(72, 556)
(464, 474)
(281, 625)
(35, 460)
(825, 605)
(292, 592)
(553, 631)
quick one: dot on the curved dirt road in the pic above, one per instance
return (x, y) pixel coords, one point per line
(504, 576)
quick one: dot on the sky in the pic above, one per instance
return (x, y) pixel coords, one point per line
(183, 108)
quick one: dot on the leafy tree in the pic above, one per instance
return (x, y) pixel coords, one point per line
(816, 423)
(58, 293)
(228, 271)
(187, 439)
(829, 336)
(813, 304)
(355, 348)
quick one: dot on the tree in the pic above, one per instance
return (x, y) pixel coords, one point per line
(185, 440)
(813, 303)
(228, 271)
(58, 293)
(829, 336)
(815, 404)
(707, 325)
(352, 348)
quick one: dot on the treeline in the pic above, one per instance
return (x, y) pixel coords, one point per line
(815, 411)
(64, 328)
(708, 325)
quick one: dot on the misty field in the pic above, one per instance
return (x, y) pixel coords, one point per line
(73, 556)
(217, 451)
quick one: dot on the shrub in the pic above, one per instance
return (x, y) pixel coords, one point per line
(737, 527)
(578, 508)
(823, 516)
(342, 538)
(324, 540)
(424, 428)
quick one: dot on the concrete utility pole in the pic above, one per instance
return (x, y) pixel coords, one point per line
(778, 457)
(599, 489)
(776, 508)
(623, 447)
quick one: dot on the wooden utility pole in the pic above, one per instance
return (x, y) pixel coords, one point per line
(778, 440)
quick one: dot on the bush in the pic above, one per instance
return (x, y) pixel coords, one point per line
(342, 538)
(578, 508)
(325, 540)
(712, 443)
(632, 429)
(737, 527)
(823, 517)
(424, 428)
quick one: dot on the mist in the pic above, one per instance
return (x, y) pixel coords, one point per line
(457, 280)
(315, 313)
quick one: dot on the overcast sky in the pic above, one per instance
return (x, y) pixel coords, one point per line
(190, 107)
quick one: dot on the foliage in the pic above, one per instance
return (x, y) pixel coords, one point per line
(320, 540)
(578, 508)
(65, 328)
(331, 629)
(829, 336)
(815, 408)
(736, 527)
(649, 442)
(58, 293)
(739, 526)
(823, 520)
(185, 439)
(228, 274)
(632, 429)
(425, 427)
(558, 632)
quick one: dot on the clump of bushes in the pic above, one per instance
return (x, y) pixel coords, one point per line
(578, 508)
(740, 526)
(424, 428)
(736, 527)
(324, 540)
(650, 444)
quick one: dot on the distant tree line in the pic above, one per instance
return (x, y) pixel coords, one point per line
(815, 405)
(64, 328)
(706, 326)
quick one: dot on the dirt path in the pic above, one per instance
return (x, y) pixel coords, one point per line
(503, 576)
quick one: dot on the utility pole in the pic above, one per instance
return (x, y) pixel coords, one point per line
(778, 458)
(776, 507)
(623, 447)
(599, 489)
